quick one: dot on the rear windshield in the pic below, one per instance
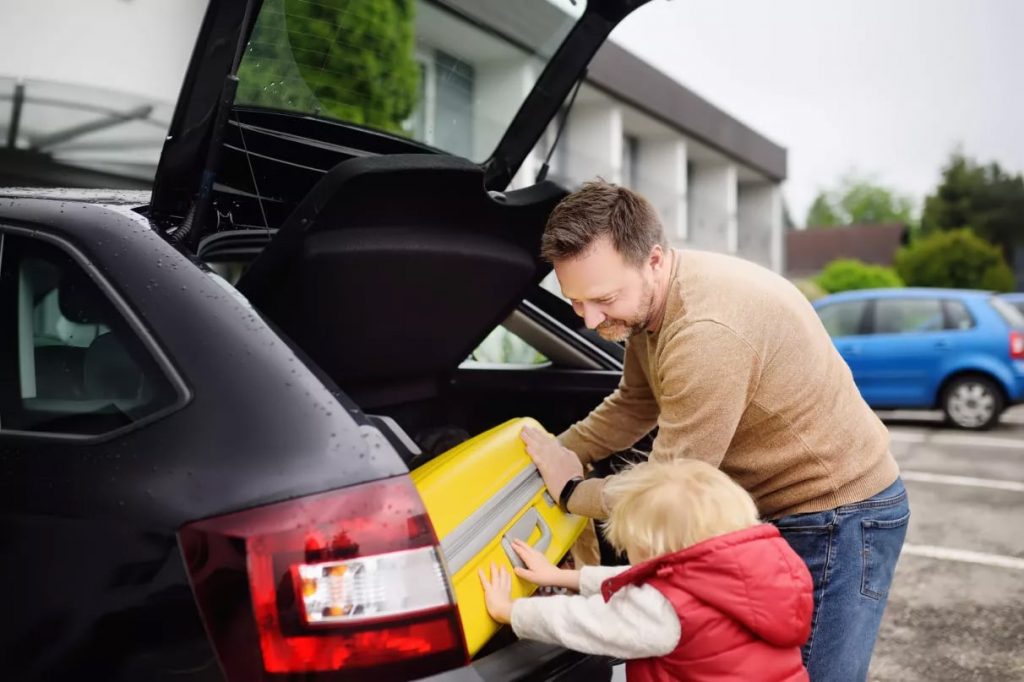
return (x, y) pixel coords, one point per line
(1008, 312)
(426, 70)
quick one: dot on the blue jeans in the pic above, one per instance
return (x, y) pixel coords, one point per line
(851, 552)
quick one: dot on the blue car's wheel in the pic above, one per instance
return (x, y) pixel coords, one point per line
(972, 402)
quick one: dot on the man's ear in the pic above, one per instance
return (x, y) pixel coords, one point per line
(656, 258)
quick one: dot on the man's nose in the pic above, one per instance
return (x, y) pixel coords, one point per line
(592, 316)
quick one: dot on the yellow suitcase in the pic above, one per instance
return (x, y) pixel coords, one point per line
(480, 495)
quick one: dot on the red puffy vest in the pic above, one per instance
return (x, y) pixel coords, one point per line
(744, 602)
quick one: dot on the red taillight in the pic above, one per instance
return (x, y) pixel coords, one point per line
(349, 582)
(1017, 345)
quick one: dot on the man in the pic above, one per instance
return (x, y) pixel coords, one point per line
(732, 365)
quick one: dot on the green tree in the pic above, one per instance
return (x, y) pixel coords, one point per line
(858, 201)
(959, 259)
(985, 197)
(347, 59)
(845, 274)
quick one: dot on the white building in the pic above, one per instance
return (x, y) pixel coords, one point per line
(715, 182)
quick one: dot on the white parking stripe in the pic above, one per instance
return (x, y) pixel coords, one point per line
(956, 439)
(925, 477)
(965, 556)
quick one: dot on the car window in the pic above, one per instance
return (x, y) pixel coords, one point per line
(907, 316)
(843, 319)
(71, 364)
(502, 347)
(957, 316)
(423, 70)
(1010, 311)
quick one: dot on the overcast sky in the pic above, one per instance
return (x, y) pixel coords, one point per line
(887, 88)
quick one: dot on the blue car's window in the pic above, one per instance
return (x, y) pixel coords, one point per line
(843, 319)
(907, 316)
(957, 316)
(1014, 315)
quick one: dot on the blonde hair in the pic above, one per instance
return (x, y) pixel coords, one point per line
(662, 507)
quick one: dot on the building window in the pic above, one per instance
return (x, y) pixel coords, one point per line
(444, 117)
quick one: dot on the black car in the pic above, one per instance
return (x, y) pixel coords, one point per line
(207, 389)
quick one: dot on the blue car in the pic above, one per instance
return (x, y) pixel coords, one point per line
(1015, 299)
(957, 350)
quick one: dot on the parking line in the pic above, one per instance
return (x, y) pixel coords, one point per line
(964, 556)
(970, 481)
(956, 439)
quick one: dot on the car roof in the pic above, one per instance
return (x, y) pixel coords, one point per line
(103, 197)
(1013, 296)
(906, 292)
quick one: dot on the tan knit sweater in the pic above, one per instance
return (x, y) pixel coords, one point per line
(741, 374)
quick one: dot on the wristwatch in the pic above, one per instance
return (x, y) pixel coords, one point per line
(567, 491)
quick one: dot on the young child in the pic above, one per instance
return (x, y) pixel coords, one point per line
(712, 594)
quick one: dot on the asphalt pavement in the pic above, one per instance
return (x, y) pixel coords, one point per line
(956, 609)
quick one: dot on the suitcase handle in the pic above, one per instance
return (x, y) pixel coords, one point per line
(523, 529)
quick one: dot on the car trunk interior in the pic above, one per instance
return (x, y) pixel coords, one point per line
(388, 274)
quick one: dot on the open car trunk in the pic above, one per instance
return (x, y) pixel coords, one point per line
(392, 270)
(386, 261)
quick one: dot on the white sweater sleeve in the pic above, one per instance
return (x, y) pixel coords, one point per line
(591, 577)
(637, 622)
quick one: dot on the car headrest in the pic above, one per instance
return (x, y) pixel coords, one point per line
(110, 372)
(80, 299)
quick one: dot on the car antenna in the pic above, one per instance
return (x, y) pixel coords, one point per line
(546, 166)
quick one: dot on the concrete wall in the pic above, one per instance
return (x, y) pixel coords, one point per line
(760, 230)
(661, 177)
(712, 207)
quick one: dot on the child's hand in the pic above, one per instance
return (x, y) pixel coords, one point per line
(497, 593)
(540, 571)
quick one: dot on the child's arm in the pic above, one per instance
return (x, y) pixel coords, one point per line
(540, 571)
(637, 622)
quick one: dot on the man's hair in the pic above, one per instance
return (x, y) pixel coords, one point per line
(662, 507)
(597, 210)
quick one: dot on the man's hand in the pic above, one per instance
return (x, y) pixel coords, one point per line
(555, 463)
(497, 593)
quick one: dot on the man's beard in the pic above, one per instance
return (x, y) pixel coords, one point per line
(620, 330)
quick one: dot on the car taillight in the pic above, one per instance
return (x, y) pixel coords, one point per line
(348, 582)
(1017, 345)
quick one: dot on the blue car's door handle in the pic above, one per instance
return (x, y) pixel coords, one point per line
(849, 350)
(943, 345)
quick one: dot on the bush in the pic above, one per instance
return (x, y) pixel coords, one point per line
(846, 274)
(958, 259)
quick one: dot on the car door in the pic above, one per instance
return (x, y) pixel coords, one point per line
(78, 384)
(845, 321)
(903, 352)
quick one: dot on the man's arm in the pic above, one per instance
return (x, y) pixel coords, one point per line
(709, 376)
(623, 418)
